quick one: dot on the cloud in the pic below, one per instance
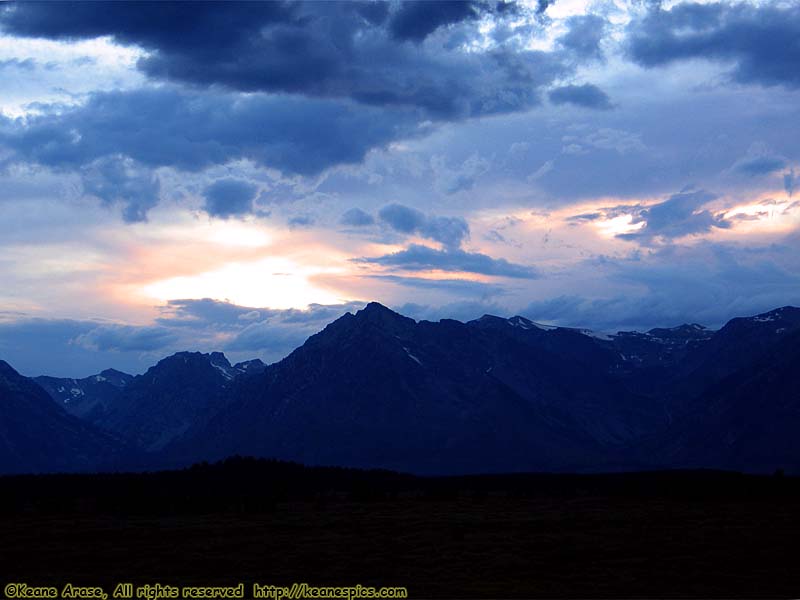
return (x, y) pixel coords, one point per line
(586, 96)
(116, 136)
(759, 165)
(543, 5)
(790, 182)
(583, 37)
(27, 64)
(761, 40)
(281, 331)
(202, 312)
(118, 178)
(402, 218)
(355, 217)
(423, 258)
(150, 126)
(759, 161)
(543, 170)
(342, 50)
(125, 338)
(462, 178)
(300, 221)
(716, 283)
(78, 348)
(605, 138)
(417, 19)
(454, 286)
(229, 197)
(449, 231)
(680, 215)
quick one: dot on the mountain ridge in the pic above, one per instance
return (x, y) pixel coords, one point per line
(378, 389)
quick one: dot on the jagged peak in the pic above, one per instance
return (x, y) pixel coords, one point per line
(377, 312)
(218, 358)
(215, 359)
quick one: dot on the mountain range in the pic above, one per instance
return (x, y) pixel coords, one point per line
(376, 389)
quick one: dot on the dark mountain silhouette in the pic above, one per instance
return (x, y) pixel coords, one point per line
(748, 420)
(37, 436)
(377, 389)
(88, 398)
(149, 410)
(179, 392)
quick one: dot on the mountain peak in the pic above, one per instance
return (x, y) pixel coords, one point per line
(114, 373)
(376, 308)
(377, 313)
(219, 359)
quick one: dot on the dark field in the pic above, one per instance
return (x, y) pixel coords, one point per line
(678, 534)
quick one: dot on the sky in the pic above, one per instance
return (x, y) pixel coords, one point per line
(203, 176)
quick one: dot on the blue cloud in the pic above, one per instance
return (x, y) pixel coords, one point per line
(355, 217)
(450, 231)
(125, 338)
(417, 19)
(453, 286)
(761, 40)
(346, 50)
(584, 35)
(115, 179)
(586, 95)
(423, 258)
(679, 215)
(790, 181)
(759, 165)
(229, 197)
(149, 126)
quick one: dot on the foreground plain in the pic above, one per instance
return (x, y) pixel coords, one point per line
(669, 534)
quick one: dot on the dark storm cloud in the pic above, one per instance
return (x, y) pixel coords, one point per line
(423, 258)
(150, 24)
(355, 217)
(761, 40)
(417, 19)
(326, 49)
(587, 96)
(325, 83)
(151, 126)
(450, 231)
(583, 37)
(229, 197)
(680, 215)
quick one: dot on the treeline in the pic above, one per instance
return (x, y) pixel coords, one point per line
(240, 484)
